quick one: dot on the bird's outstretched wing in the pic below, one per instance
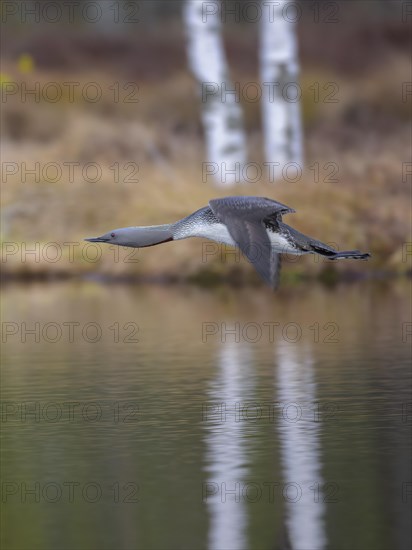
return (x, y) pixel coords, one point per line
(244, 218)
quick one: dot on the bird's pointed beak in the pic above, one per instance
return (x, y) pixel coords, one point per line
(96, 240)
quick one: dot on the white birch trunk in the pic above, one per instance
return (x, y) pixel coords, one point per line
(221, 112)
(279, 74)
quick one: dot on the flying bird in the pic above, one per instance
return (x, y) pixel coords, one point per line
(253, 224)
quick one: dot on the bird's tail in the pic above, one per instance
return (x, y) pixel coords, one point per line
(350, 254)
(332, 254)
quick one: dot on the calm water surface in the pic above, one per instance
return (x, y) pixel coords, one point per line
(179, 418)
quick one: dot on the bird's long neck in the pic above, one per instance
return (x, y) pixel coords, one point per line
(141, 237)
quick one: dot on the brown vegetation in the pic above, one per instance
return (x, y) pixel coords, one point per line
(365, 135)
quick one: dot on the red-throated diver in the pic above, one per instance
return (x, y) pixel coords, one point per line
(254, 224)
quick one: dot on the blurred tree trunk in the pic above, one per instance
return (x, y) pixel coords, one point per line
(221, 113)
(111, 17)
(280, 88)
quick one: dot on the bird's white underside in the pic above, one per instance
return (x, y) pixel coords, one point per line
(218, 232)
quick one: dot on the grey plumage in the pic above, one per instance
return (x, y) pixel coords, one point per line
(244, 218)
(254, 224)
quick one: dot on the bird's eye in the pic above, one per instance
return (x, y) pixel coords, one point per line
(113, 235)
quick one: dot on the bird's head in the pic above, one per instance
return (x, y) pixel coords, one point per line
(135, 237)
(122, 237)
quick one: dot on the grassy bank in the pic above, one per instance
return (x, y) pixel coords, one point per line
(147, 162)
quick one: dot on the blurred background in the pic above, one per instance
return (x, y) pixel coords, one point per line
(102, 128)
(164, 398)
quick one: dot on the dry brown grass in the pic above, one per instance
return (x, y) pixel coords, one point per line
(367, 135)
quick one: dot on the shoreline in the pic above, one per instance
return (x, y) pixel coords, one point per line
(202, 279)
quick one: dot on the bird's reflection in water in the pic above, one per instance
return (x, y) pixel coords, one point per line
(298, 430)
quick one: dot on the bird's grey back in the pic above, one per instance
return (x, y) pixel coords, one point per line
(257, 208)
